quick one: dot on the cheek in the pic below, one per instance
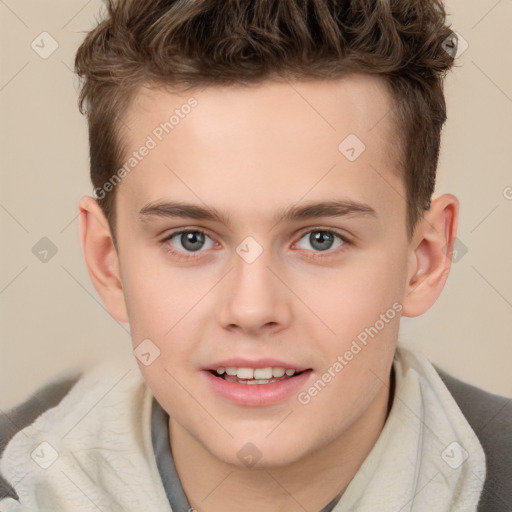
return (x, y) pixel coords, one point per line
(163, 303)
(361, 306)
(362, 309)
(354, 297)
(156, 295)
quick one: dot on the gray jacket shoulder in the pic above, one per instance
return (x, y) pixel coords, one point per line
(490, 416)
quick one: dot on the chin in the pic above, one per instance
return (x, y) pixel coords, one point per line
(259, 452)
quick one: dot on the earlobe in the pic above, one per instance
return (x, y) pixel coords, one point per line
(101, 257)
(430, 255)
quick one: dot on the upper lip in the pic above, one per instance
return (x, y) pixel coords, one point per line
(238, 362)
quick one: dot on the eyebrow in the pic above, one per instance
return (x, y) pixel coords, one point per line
(334, 208)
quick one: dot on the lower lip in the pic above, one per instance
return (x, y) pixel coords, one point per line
(257, 394)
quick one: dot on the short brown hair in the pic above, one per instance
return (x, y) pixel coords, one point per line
(189, 43)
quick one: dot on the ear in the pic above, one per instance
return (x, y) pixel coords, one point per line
(430, 255)
(101, 257)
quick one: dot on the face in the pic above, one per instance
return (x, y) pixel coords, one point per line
(269, 280)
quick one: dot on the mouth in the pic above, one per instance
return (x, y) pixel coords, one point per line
(262, 386)
(256, 375)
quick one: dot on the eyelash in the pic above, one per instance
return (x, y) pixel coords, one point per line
(193, 256)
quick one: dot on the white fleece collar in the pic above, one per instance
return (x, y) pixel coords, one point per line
(94, 450)
(427, 457)
(101, 431)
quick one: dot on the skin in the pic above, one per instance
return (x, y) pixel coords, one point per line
(250, 152)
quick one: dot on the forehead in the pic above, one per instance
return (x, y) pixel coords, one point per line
(271, 143)
(357, 101)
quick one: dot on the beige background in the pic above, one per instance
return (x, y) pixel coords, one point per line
(51, 316)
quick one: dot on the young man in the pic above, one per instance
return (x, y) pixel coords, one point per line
(263, 217)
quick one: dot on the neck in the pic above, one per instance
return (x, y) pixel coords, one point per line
(306, 484)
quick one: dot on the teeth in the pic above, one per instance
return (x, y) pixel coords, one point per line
(232, 378)
(263, 373)
(245, 373)
(256, 373)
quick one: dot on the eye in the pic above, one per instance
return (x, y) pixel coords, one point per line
(322, 240)
(191, 240)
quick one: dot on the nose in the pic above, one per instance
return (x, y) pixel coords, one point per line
(255, 299)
